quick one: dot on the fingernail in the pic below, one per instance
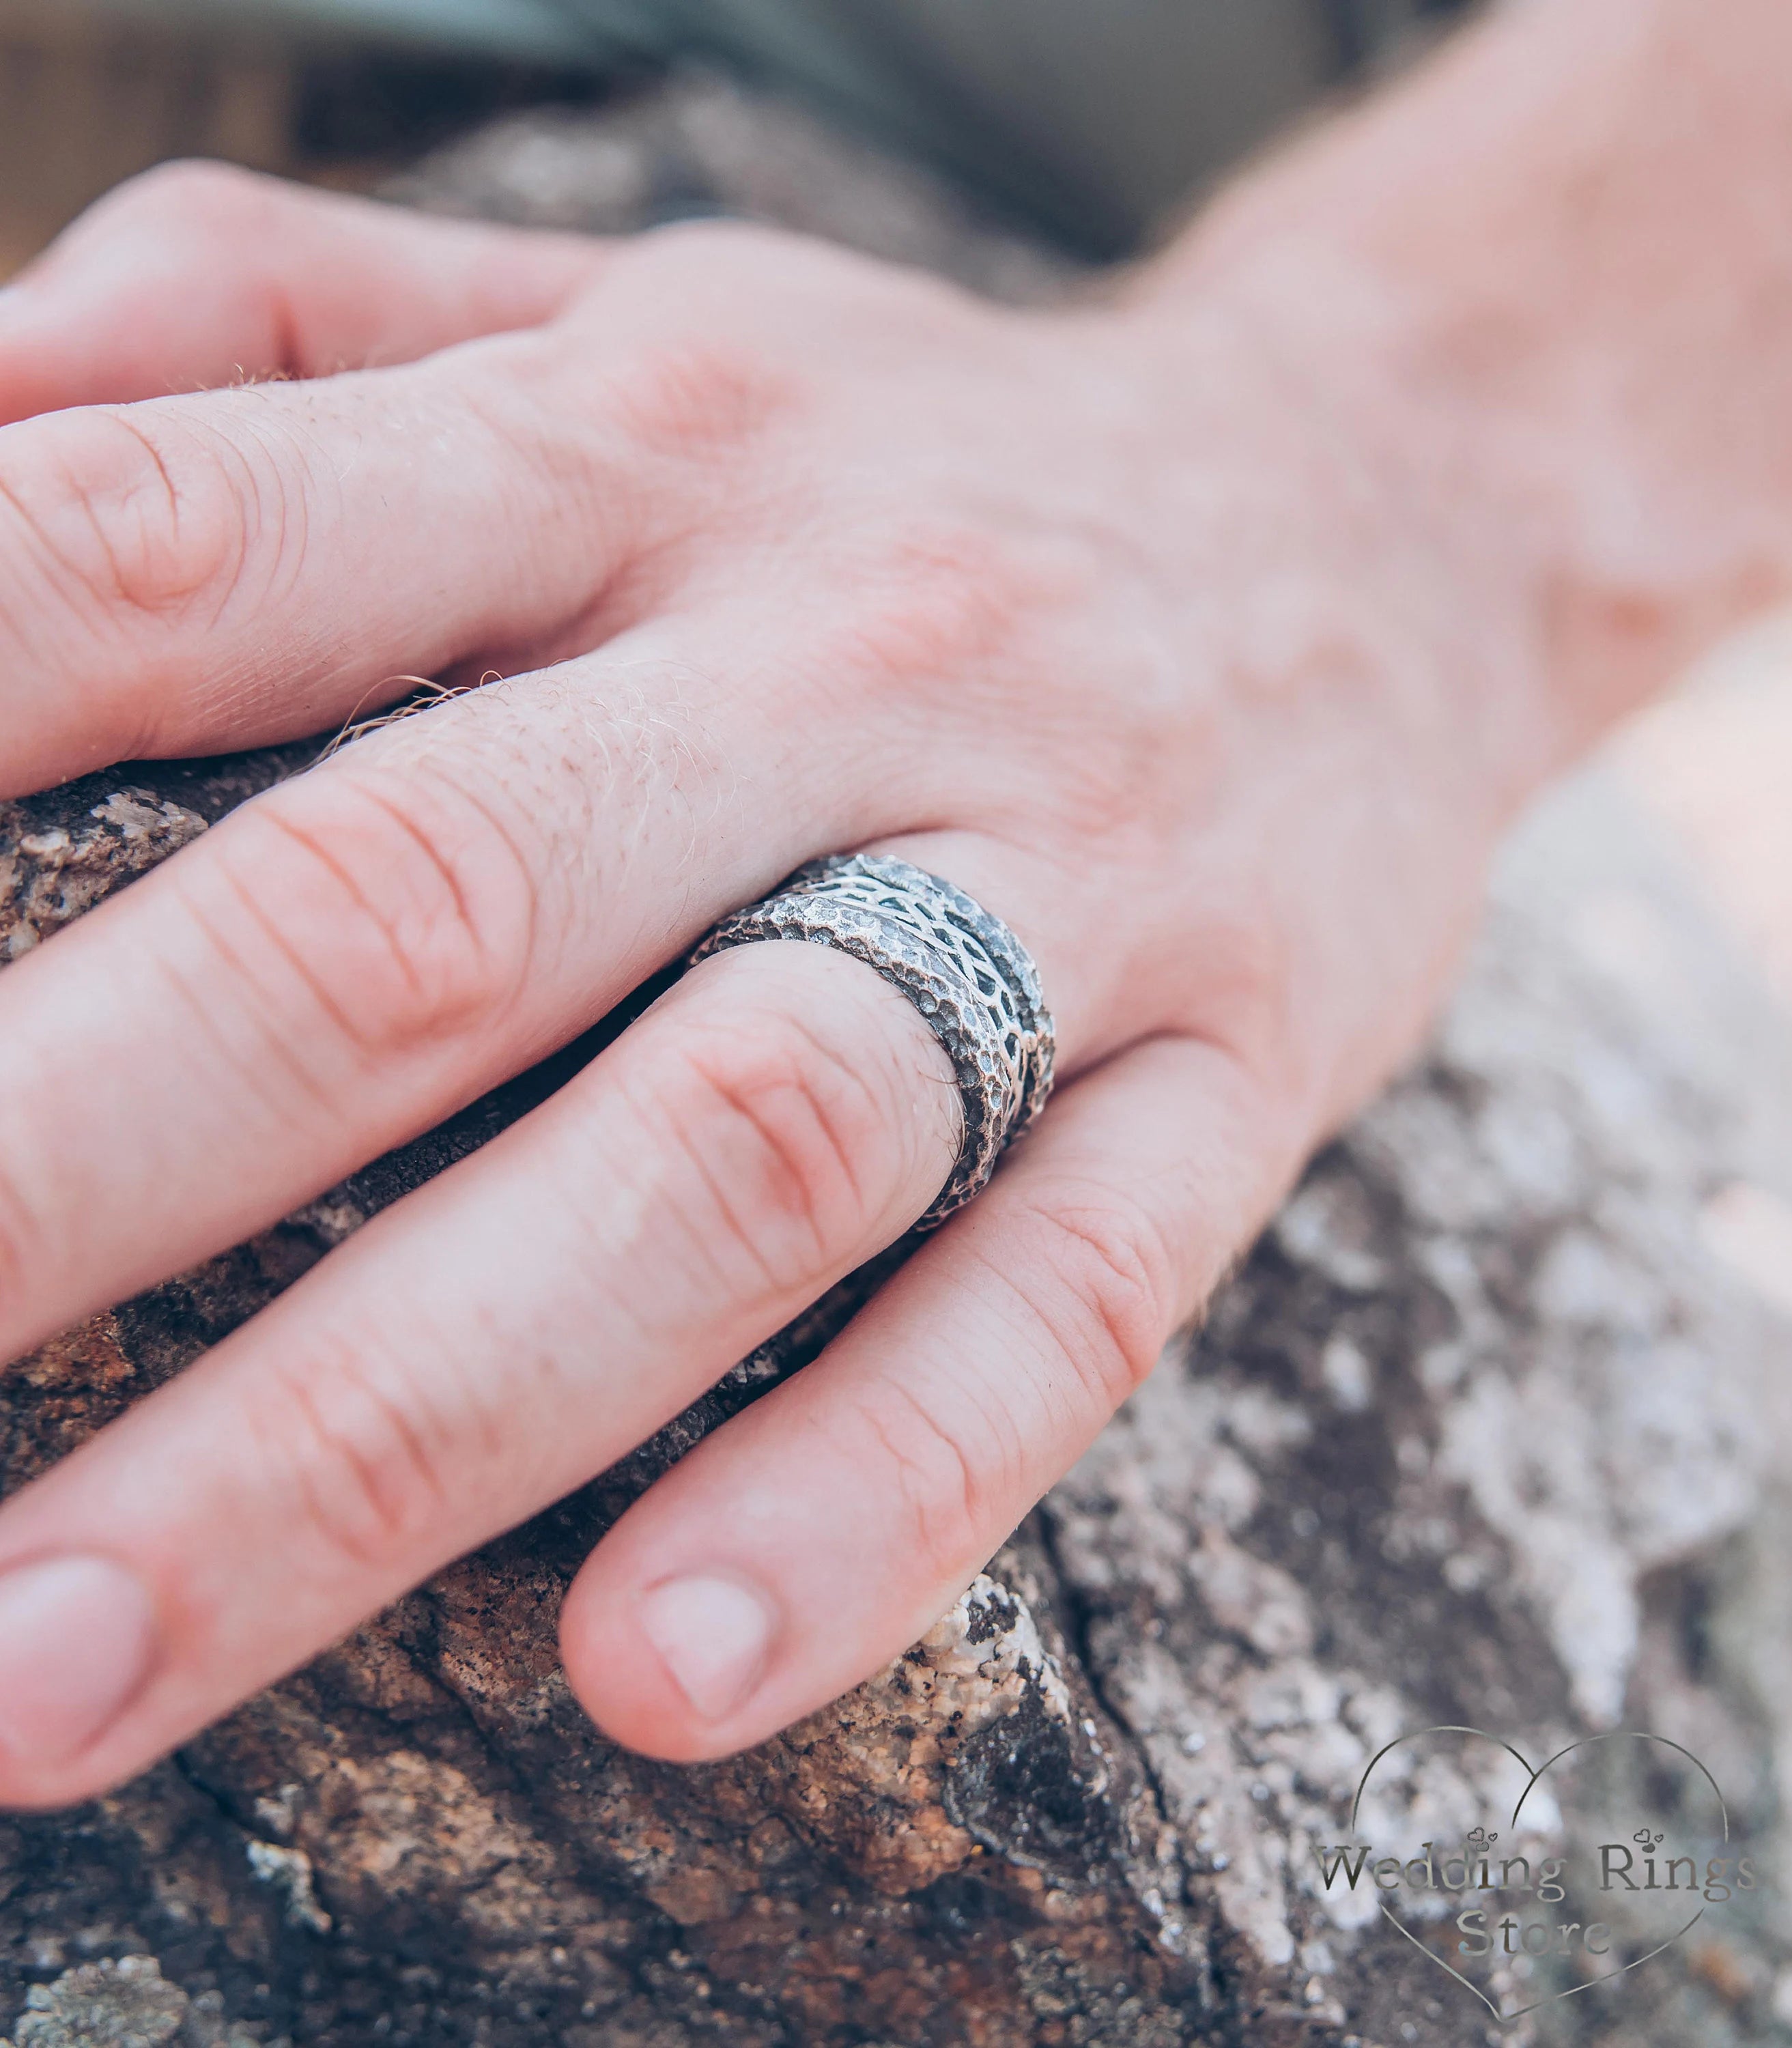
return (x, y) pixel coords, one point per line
(713, 1633)
(76, 1635)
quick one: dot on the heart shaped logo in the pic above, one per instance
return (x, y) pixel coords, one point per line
(1529, 1882)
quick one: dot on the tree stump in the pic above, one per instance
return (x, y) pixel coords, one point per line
(1484, 1432)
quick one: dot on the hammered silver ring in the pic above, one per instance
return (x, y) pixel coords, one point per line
(964, 970)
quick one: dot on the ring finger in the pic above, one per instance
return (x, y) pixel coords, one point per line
(475, 1352)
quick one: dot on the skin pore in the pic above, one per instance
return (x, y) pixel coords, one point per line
(1209, 632)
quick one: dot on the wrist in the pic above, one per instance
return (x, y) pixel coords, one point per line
(1542, 280)
(1423, 567)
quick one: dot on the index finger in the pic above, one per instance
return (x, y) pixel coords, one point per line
(197, 275)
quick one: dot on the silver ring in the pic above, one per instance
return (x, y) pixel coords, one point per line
(964, 971)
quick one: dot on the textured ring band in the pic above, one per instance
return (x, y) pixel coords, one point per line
(964, 970)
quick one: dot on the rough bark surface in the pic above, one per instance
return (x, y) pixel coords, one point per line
(1485, 1431)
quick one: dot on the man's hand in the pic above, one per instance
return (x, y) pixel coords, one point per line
(1184, 635)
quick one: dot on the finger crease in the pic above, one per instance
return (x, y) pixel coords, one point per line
(718, 1193)
(314, 983)
(969, 1488)
(845, 1153)
(426, 846)
(249, 1070)
(373, 1488)
(148, 447)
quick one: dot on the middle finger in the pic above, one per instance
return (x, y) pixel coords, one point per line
(349, 958)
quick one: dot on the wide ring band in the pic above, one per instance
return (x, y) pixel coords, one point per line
(964, 970)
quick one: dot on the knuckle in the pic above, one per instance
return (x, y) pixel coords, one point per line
(188, 189)
(701, 257)
(1097, 1275)
(693, 397)
(727, 269)
(793, 1152)
(404, 910)
(355, 1449)
(1125, 786)
(940, 607)
(127, 520)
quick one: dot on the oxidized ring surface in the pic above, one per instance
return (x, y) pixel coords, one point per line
(964, 970)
